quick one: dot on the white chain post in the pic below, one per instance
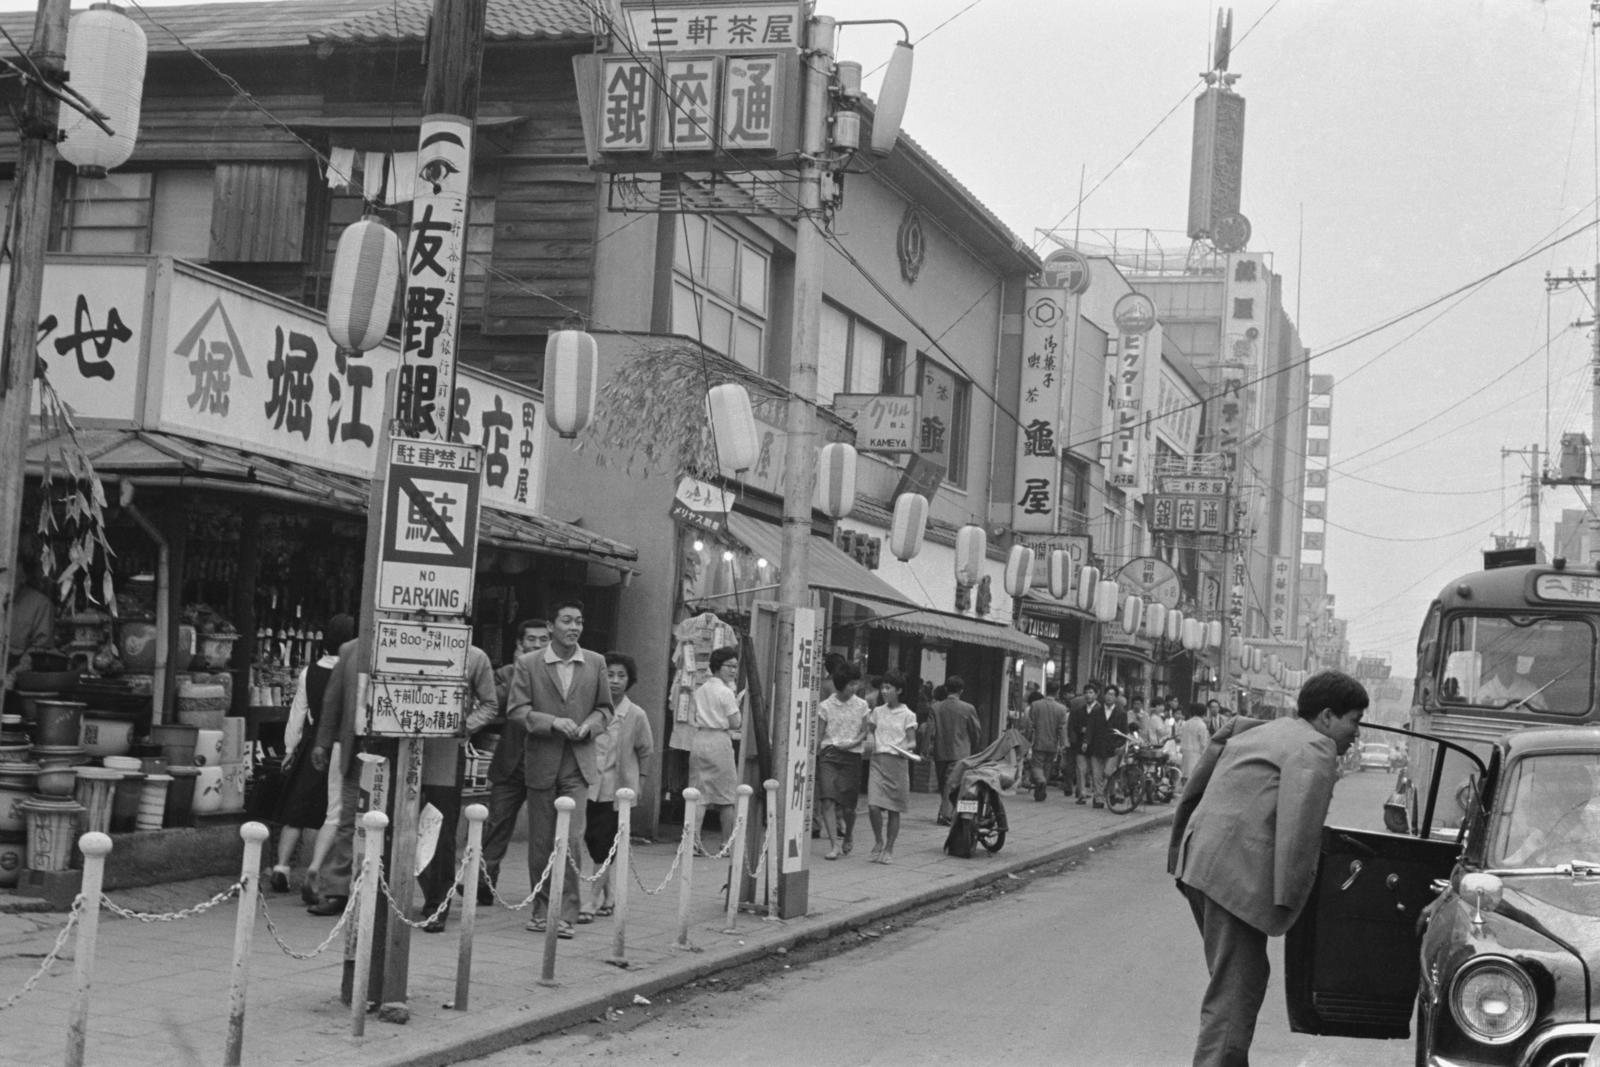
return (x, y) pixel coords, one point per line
(736, 869)
(476, 814)
(375, 823)
(691, 835)
(558, 884)
(771, 787)
(244, 928)
(620, 875)
(95, 848)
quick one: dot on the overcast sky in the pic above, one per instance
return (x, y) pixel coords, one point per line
(1425, 144)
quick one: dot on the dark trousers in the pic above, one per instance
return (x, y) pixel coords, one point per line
(1040, 764)
(505, 804)
(333, 878)
(941, 774)
(542, 836)
(437, 877)
(1236, 957)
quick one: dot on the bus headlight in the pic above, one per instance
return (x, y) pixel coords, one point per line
(1493, 1000)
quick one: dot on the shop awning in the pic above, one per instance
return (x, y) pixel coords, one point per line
(1051, 608)
(166, 461)
(830, 568)
(945, 626)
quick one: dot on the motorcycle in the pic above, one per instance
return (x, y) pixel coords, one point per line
(975, 785)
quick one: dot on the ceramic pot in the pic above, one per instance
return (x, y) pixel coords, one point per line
(208, 748)
(153, 801)
(106, 737)
(177, 741)
(233, 780)
(136, 644)
(208, 791)
(180, 797)
(16, 786)
(13, 854)
(125, 802)
(59, 723)
(57, 781)
(52, 831)
(96, 790)
(216, 650)
(59, 755)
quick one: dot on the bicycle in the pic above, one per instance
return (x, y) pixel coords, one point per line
(1147, 776)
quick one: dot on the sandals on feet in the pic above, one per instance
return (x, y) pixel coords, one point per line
(585, 918)
(833, 854)
(605, 910)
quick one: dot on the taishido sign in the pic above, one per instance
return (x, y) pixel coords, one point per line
(430, 528)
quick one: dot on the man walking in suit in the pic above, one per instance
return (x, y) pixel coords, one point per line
(1246, 857)
(1078, 714)
(956, 735)
(508, 789)
(561, 698)
(1047, 730)
(336, 739)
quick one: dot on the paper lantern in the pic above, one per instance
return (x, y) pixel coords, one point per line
(836, 480)
(1255, 659)
(1192, 636)
(1236, 650)
(571, 380)
(972, 545)
(733, 427)
(1105, 600)
(1132, 613)
(1019, 571)
(1060, 573)
(892, 94)
(365, 282)
(1088, 584)
(1214, 634)
(1155, 619)
(909, 524)
(1174, 626)
(105, 60)
(1274, 666)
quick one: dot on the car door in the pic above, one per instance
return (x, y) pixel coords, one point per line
(1352, 958)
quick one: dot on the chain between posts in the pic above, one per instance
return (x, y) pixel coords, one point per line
(677, 860)
(600, 871)
(761, 856)
(544, 878)
(344, 918)
(727, 842)
(172, 916)
(50, 957)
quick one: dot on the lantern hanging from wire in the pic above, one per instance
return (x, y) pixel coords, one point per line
(1194, 635)
(1059, 564)
(1019, 571)
(1105, 600)
(972, 545)
(571, 380)
(1214, 634)
(365, 282)
(907, 527)
(733, 426)
(1155, 619)
(1132, 613)
(836, 480)
(105, 60)
(1255, 659)
(1088, 585)
(1174, 631)
(1236, 650)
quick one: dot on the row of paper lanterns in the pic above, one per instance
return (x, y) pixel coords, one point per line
(1251, 658)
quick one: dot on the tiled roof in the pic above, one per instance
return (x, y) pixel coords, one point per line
(506, 20)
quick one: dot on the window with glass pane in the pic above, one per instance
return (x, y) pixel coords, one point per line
(960, 429)
(720, 290)
(110, 214)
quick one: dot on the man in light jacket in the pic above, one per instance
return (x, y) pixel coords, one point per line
(1246, 841)
(955, 736)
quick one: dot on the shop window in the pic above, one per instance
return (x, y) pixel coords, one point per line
(720, 289)
(110, 214)
(854, 357)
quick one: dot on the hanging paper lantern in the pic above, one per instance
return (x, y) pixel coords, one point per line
(571, 379)
(105, 60)
(1174, 625)
(366, 280)
(1255, 659)
(972, 545)
(1155, 619)
(1132, 613)
(1105, 600)
(909, 524)
(1214, 634)
(1060, 564)
(1236, 650)
(1274, 666)
(836, 480)
(1019, 571)
(1088, 585)
(1193, 635)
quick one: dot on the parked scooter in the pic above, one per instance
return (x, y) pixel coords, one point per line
(976, 785)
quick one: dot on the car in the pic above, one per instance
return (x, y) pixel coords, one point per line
(1488, 936)
(1375, 754)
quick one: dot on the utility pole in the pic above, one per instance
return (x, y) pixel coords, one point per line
(1535, 484)
(1552, 283)
(36, 165)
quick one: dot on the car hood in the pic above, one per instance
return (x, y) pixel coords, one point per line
(1560, 906)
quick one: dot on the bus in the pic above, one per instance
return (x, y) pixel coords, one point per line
(1503, 648)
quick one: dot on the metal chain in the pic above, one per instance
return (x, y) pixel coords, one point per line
(727, 842)
(51, 956)
(549, 866)
(600, 872)
(677, 858)
(173, 916)
(344, 917)
(438, 913)
(761, 857)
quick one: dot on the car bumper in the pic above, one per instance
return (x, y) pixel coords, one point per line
(1538, 1053)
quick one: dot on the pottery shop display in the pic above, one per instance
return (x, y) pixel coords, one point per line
(215, 651)
(233, 739)
(13, 854)
(153, 801)
(106, 736)
(208, 791)
(12, 751)
(56, 781)
(52, 831)
(177, 741)
(208, 748)
(16, 785)
(59, 723)
(59, 755)
(180, 797)
(202, 704)
(233, 782)
(97, 787)
(125, 802)
(27, 702)
(121, 763)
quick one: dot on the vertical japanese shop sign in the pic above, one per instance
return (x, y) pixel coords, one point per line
(1282, 598)
(689, 117)
(435, 254)
(796, 772)
(938, 390)
(1046, 341)
(627, 105)
(1135, 318)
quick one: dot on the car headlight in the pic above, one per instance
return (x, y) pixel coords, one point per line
(1493, 1000)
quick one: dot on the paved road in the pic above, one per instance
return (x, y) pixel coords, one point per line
(1098, 966)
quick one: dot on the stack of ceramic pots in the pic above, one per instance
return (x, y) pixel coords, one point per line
(57, 733)
(126, 793)
(17, 783)
(46, 811)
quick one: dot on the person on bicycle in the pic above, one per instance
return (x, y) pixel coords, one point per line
(1046, 730)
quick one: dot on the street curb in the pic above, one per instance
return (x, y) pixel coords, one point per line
(495, 1036)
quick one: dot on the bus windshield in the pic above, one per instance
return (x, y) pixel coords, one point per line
(1516, 662)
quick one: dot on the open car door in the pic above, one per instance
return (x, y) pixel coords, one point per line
(1352, 959)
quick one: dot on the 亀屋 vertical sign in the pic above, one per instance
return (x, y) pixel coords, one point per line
(1046, 316)
(435, 258)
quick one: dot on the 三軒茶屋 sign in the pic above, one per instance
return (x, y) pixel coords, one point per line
(165, 345)
(430, 528)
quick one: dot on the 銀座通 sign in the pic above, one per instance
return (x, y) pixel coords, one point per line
(430, 528)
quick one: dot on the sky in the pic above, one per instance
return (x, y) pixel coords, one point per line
(1398, 156)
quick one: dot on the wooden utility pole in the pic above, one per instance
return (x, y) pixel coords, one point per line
(29, 237)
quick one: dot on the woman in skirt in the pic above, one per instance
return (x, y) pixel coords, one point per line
(893, 738)
(717, 722)
(842, 718)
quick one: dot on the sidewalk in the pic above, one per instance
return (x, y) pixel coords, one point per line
(160, 994)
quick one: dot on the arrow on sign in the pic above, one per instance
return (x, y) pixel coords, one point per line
(421, 662)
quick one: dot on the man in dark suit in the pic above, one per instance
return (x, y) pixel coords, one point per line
(561, 698)
(341, 709)
(955, 736)
(1046, 726)
(1248, 833)
(1106, 718)
(1078, 713)
(508, 789)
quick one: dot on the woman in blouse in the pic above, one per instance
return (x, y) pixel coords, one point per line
(717, 722)
(844, 731)
(893, 736)
(622, 755)
(1193, 737)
